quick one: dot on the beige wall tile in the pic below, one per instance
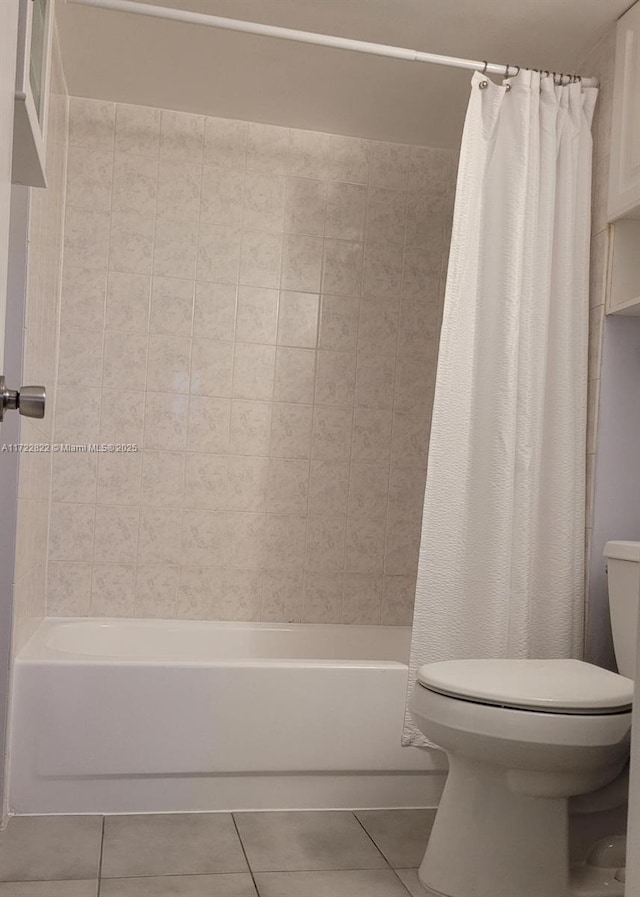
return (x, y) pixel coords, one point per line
(349, 159)
(267, 148)
(181, 136)
(163, 479)
(175, 248)
(225, 142)
(209, 421)
(322, 598)
(346, 211)
(89, 178)
(128, 302)
(168, 363)
(211, 367)
(336, 378)
(308, 154)
(165, 421)
(257, 315)
(264, 200)
(342, 272)
(371, 436)
(253, 371)
(305, 206)
(282, 593)
(112, 590)
(265, 409)
(91, 123)
(325, 544)
(119, 478)
(125, 360)
(222, 196)
(362, 598)
(68, 589)
(179, 186)
(122, 416)
(298, 319)
(397, 601)
(80, 357)
(172, 303)
(157, 592)
(159, 536)
(131, 242)
(218, 253)
(83, 297)
(215, 311)
(71, 531)
(291, 431)
(288, 487)
(339, 323)
(389, 165)
(135, 184)
(137, 130)
(250, 427)
(116, 534)
(302, 263)
(74, 477)
(260, 259)
(86, 239)
(284, 542)
(328, 488)
(294, 376)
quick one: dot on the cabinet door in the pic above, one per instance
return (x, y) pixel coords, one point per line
(624, 184)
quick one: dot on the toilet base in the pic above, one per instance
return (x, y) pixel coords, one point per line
(490, 841)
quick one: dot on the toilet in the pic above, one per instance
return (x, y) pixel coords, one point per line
(522, 737)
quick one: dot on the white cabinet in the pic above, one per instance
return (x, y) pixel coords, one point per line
(35, 30)
(623, 288)
(624, 182)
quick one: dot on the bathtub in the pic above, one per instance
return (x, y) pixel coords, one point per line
(126, 716)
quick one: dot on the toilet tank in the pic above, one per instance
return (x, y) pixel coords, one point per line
(623, 564)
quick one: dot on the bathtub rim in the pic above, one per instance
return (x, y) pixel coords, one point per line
(36, 650)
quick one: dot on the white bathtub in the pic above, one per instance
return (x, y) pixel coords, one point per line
(125, 716)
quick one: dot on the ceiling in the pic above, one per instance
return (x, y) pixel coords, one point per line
(148, 61)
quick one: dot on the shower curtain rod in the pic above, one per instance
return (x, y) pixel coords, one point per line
(309, 37)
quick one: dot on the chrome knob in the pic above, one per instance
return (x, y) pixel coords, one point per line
(28, 400)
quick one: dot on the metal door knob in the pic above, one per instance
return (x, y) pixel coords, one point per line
(28, 400)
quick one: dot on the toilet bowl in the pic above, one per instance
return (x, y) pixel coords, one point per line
(522, 738)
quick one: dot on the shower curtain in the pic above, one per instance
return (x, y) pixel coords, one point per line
(501, 565)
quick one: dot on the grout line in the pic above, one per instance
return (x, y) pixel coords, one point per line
(395, 872)
(354, 813)
(244, 853)
(104, 819)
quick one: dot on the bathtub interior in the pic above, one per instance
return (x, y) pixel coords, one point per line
(214, 642)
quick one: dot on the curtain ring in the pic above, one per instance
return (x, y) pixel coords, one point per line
(506, 70)
(485, 67)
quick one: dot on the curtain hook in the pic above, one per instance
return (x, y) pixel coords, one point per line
(485, 67)
(506, 70)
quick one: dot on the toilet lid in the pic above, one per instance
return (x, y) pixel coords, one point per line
(552, 686)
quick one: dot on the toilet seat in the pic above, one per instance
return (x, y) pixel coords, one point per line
(545, 686)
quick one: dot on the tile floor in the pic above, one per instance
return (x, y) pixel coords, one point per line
(369, 853)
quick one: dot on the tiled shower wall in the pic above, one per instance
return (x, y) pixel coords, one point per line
(46, 209)
(258, 309)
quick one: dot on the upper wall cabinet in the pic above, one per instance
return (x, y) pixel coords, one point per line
(35, 29)
(624, 183)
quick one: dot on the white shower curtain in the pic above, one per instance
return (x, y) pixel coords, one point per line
(502, 553)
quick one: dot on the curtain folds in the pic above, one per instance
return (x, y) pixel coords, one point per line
(502, 552)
